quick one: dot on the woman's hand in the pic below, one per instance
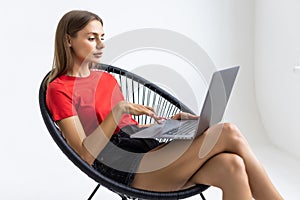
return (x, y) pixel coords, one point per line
(137, 109)
(184, 115)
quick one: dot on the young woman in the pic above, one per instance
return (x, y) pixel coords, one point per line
(90, 110)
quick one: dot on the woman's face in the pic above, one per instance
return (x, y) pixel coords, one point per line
(87, 46)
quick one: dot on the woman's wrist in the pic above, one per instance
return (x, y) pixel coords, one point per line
(120, 108)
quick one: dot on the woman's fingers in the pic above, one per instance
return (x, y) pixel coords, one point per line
(158, 119)
(150, 108)
(137, 109)
(147, 110)
(184, 115)
(191, 116)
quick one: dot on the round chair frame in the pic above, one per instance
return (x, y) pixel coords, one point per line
(133, 87)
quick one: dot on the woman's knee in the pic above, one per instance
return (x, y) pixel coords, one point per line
(233, 168)
(232, 135)
(233, 163)
(229, 128)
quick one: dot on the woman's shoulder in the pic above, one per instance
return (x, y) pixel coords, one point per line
(57, 85)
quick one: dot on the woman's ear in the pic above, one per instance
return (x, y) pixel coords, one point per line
(68, 39)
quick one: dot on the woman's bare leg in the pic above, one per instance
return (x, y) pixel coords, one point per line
(260, 184)
(226, 171)
(175, 175)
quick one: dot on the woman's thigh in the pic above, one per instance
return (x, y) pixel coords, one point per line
(170, 167)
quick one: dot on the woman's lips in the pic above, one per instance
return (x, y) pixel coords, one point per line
(98, 54)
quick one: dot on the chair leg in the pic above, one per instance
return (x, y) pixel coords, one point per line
(202, 196)
(123, 197)
(94, 192)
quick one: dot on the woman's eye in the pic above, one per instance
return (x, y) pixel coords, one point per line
(102, 38)
(91, 39)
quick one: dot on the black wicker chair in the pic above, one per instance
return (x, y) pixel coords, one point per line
(138, 90)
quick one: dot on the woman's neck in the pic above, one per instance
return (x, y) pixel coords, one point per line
(79, 71)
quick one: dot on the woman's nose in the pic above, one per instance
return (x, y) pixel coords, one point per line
(100, 45)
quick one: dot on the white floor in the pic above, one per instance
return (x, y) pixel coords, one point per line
(57, 178)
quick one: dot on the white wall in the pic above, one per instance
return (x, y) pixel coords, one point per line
(277, 51)
(225, 31)
(30, 160)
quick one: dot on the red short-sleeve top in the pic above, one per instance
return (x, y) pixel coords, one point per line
(90, 98)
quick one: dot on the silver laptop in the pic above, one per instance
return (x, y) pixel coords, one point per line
(212, 111)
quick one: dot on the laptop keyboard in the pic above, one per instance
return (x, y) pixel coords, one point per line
(185, 128)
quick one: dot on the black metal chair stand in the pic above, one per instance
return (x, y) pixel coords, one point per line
(137, 90)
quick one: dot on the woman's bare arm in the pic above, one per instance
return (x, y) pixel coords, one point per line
(89, 147)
